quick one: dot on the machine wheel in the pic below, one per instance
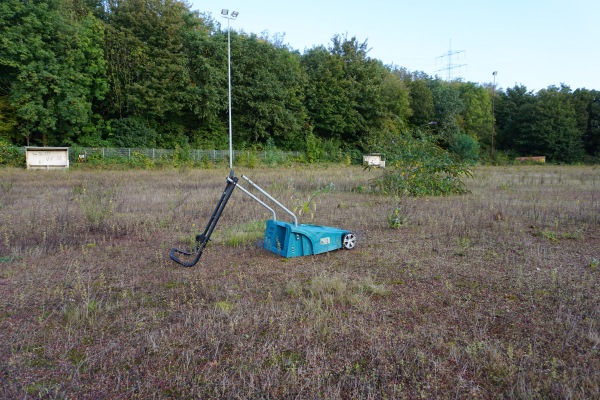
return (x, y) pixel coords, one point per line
(349, 241)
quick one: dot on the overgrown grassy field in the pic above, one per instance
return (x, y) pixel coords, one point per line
(493, 294)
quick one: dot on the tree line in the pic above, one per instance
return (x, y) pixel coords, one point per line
(153, 73)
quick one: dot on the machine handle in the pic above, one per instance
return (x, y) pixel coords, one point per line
(203, 238)
(175, 251)
(272, 199)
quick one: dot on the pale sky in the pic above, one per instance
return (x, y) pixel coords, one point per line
(530, 42)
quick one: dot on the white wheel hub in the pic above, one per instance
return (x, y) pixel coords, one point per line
(349, 241)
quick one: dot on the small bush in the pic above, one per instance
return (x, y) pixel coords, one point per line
(314, 148)
(97, 204)
(272, 155)
(248, 159)
(182, 157)
(10, 155)
(141, 160)
(397, 219)
(418, 167)
(465, 147)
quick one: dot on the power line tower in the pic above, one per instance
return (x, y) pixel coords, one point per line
(450, 65)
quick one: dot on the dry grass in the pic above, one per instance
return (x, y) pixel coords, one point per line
(488, 295)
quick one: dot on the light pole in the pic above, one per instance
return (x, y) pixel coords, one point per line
(233, 15)
(493, 122)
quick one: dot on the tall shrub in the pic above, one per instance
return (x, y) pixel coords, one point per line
(465, 147)
(10, 155)
(415, 166)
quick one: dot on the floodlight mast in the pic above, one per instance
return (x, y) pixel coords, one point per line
(232, 16)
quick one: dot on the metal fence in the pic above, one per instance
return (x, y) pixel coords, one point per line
(191, 154)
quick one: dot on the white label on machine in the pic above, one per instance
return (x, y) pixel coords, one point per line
(325, 240)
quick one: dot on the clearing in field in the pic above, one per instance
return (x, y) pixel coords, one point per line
(490, 294)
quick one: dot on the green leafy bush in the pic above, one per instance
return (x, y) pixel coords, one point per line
(271, 152)
(182, 156)
(465, 147)
(248, 159)
(397, 218)
(10, 155)
(140, 160)
(314, 148)
(416, 166)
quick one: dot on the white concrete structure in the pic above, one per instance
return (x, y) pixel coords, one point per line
(373, 160)
(47, 157)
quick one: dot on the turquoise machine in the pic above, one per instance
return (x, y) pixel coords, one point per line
(292, 240)
(283, 238)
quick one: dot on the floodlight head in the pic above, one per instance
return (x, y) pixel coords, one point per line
(495, 73)
(234, 14)
(224, 11)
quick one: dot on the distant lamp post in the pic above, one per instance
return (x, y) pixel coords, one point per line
(233, 15)
(493, 114)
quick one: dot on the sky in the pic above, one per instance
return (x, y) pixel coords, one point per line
(533, 43)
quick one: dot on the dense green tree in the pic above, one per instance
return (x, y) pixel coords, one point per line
(90, 77)
(448, 108)
(54, 62)
(147, 62)
(346, 94)
(365, 78)
(124, 55)
(327, 97)
(421, 102)
(376, 97)
(587, 110)
(476, 115)
(153, 73)
(267, 85)
(150, 67)
(591, 138)
(207, 92)
(581, 100)
(8, 120)
(395, 109)
(512, 115)
(396, 97)
(551, 127)
(133, 132)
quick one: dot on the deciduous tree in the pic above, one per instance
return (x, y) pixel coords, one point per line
(268, 83)
(55, 63)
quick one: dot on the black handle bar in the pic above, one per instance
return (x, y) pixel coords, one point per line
(204, 238)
